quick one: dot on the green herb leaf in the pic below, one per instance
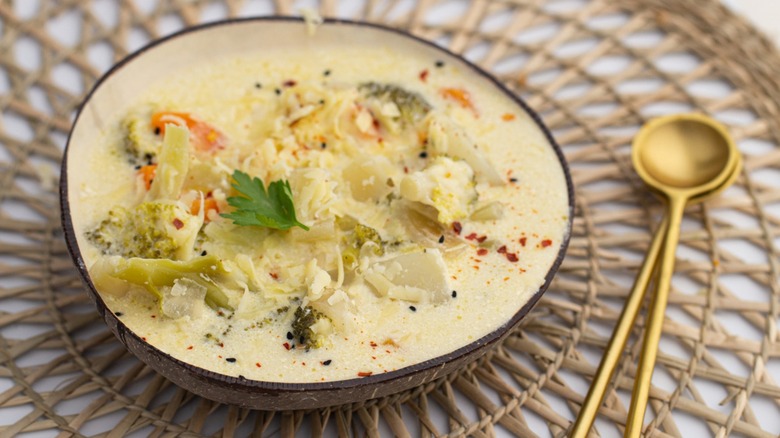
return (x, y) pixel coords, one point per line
(271, 209)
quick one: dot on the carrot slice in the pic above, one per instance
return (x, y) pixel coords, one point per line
(147, 173)
(204, 136)
(208, 204)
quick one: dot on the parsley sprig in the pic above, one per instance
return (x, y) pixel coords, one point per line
(257, 207)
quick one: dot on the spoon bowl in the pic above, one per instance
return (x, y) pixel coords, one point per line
(684, 152)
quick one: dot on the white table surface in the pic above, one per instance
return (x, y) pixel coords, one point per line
(765, 14)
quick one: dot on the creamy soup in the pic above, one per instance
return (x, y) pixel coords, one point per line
(320, 216)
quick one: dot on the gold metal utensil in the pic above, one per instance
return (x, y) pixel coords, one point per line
(699, 186)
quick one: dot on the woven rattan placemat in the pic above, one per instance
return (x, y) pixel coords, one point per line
(595, 69)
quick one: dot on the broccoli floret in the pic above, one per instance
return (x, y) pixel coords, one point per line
(154, 274)
(305, 327)
(413, 106)
(151, 230)
(141, 145)
(365, 234)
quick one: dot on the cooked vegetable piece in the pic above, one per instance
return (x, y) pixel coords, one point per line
(139, 140)
(365, 234)
(412, 106)
(446, 184)
(257, 207)
(154, 274)
(147, 174)
(173, 164)
(309, 327)
(448, 139)
(415, 277)
(151, 230)
(204, 136)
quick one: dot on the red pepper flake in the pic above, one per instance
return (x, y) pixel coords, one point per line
(373, 357)
(258, 364)
(221, 345)
(274, 275)
(289, 83)
(154, 316)
(523, 240)
(472, 236)
(424, 75)
(372, 343)
(508, 117)
(481, 239)
(457, 227)
(286, 346)
(303, 363)
(178, 223)
(482, 251)
(364, 373)
(512, 257)
(143, 339)
(546, 243)
(502, 249)
(406, 169)
(190, 347)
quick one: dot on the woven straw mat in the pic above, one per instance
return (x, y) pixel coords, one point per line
(594, 69)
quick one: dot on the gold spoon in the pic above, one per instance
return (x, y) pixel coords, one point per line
(684, 125)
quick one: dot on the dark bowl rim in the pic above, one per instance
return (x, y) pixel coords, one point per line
(438, 361)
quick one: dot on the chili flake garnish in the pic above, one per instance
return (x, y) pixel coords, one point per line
(502, 249)
(424, 75)
(178, 223)
(258, 364)
(190, 347)
(286, 346)
(546, 243)
(457, 227)
(289, 83)
(482, 251)
(364, 373)
(523, 240)
(512, 257)
(508, 117)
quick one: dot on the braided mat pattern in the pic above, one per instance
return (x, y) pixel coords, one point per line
(595, 69)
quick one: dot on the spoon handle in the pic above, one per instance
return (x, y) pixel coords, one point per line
(655, 320)
(619, 338)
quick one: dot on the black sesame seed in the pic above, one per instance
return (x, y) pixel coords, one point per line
(441, 238)
(277, 91)
(231, 359)
(412, 308)
(513, 180)
(322, 101)
(203, 253)
(258, 85)
(137, 166)
(439, 64)
(326, 73)
(156, 131)
(454, 294)
(423, 154)
(119, 314)
(301, 340)
(289, 335)
(326, 362)
(323, 145)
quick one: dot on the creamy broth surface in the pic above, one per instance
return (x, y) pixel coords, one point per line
(287, 116)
